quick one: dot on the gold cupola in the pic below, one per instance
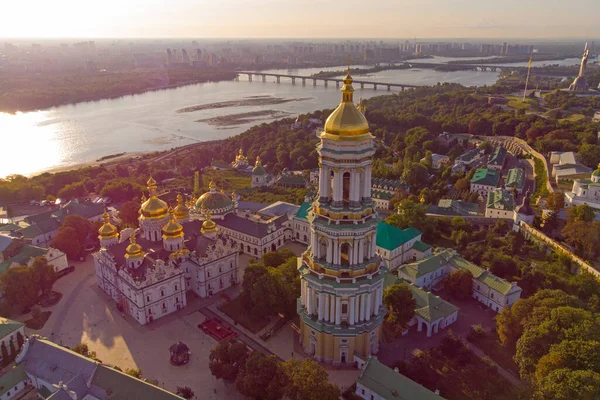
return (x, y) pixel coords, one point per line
(153, 208)
(182, 212)
(172, 229)
(240, 156)
(346, 120)
(134, 250)
(208, 226)
(107, 230)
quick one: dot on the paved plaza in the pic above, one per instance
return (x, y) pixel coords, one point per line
(86, 314)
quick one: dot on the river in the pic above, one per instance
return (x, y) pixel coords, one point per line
(74, 134)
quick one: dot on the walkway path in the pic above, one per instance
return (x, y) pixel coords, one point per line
(508, 375)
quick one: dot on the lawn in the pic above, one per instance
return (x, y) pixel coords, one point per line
(573, 118)
(236, 311)
(39, 322)
(518, 104)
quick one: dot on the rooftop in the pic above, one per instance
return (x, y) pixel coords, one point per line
(500, 199)
(23, 257)
(389, 237)
(392, 385)
(8, 326)
(485, 176)
(303, 210)
(515, 178)
(498, 156)
(454, 208)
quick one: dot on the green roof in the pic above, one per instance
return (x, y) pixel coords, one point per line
(596, 172)
(487, 278)
(484, 176)
(8, 326)
(392, 385)
(389, 237)
(379, 194)
(500, 199)
(259, 170)
(22, 258)
(420, 246)
(302, 212)
(125, 387)
(515, 178)
(498, 156)
(11, 378)
(425, 265)
(429, 306)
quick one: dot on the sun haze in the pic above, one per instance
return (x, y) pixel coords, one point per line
(295, 18)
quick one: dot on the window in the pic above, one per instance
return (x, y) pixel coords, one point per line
(208, 273)
(492, 295)
(175, 287)
(148, 298)
(344, 308)
(164, 306)
(162, 293)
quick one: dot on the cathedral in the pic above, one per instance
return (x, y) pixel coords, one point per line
(340, 307)
(149, 272)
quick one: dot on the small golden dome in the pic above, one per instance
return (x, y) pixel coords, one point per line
(208, 225)
(212, 185)
(134, 250)
(107, 230)
(173, 228)
(153, 207)
(181, 210)
(240, 156)
(346, 119)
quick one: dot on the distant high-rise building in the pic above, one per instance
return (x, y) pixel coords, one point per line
(184, 56)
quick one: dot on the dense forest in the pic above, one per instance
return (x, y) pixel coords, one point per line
(33, 92)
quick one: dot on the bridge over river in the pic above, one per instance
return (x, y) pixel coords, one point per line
(326, 81)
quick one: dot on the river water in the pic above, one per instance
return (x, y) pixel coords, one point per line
(74, 134)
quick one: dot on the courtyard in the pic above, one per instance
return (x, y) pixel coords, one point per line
(86, 314)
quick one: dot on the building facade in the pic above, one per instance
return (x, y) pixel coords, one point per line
(148, 277)
(340, 306)
(585, 191)
(399, 246)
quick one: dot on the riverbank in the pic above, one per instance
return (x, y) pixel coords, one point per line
(250, 101)
(30, 92)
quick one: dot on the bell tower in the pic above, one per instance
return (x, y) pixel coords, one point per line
(340, 307)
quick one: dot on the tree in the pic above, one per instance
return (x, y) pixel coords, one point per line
(20, 339)
(460, 283)
(308, 380)
(511, 321)
(555, 201)
(262, 377)
(567, 384)
(580, 213)
(45, 273)
(81, 348)
(135, 372)
(20, 286)
(81, 225)
(409, 214)
(504, 266)
(571, 354)
(267, 293)
(128, 213)
(399, 301)
(185, 391)
(226, 359)
(276, 258)
(589, 154)
(252, 274)
(36, 313)
(68, 241)
(584, 237)
(5, 357)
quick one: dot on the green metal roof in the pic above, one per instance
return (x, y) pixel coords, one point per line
(498, 156)
(389, 237)
(11, 378)
(379, 194)
(22, 258)
(487, 278)
(259, 170)
(515, 178)
(420, 246)
(302, 212)
(429, 306)
(484, 176)
(392, 385)
(8, 326)
(125, 387)
(500, 199)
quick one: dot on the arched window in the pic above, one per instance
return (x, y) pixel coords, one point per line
(323, 249)
(346, 187)
(345, 254)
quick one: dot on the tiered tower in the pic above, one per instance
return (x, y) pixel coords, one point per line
(340, 306)
(108, 233)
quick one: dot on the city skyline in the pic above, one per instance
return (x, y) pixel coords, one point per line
(426, 19)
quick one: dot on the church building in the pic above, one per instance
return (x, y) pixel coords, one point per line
(340, 307)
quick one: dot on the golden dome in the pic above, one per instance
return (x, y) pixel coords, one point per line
(172, 229)
(346, 119)
(134, 250)
(181, 210)
(240, 156)
(208, 225)
(212, 185)
(107, 230)
(154, 207)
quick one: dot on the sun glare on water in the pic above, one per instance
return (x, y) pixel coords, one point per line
(28, 144)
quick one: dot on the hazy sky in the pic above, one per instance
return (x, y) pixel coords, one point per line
(301, 18)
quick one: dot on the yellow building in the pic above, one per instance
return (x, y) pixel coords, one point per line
(340, 306)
